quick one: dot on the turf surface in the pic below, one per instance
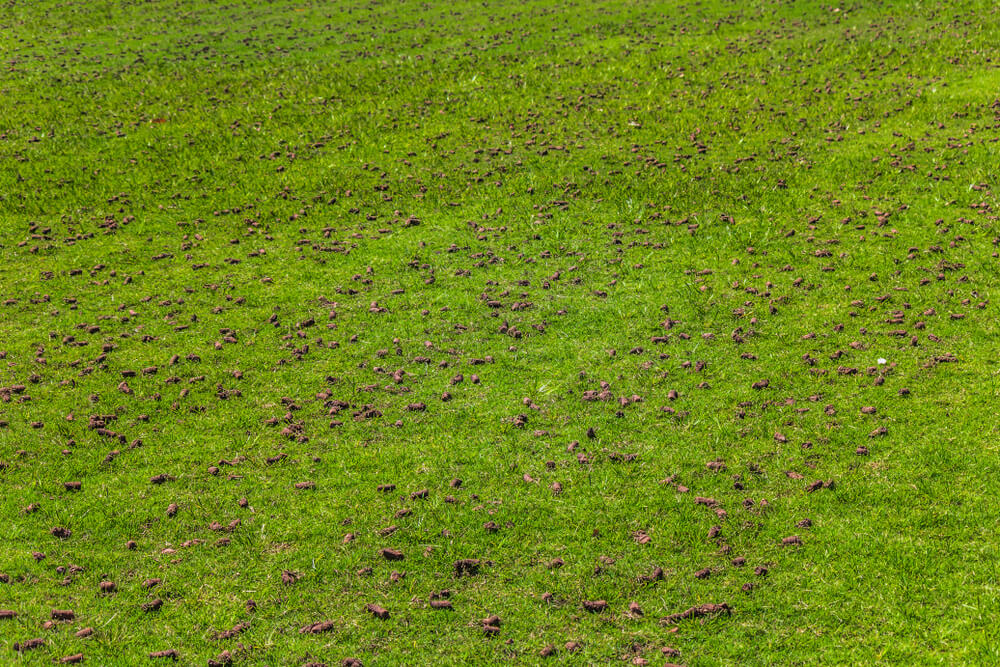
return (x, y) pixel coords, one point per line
(318, 317)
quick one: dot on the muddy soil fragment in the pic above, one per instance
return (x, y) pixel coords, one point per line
(466, 567)
(377, 611)
(221, 660)
(316, 628)
(153, 605)
(29, 645)
(169, 653)
(656, 575)
(491, 624)
(698, 611)
(641, 537)
(232, 632)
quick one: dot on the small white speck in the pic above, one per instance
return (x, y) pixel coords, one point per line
(881, 361)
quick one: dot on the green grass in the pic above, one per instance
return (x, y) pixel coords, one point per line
(178, 173)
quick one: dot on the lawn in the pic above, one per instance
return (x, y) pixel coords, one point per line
(482, 333)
